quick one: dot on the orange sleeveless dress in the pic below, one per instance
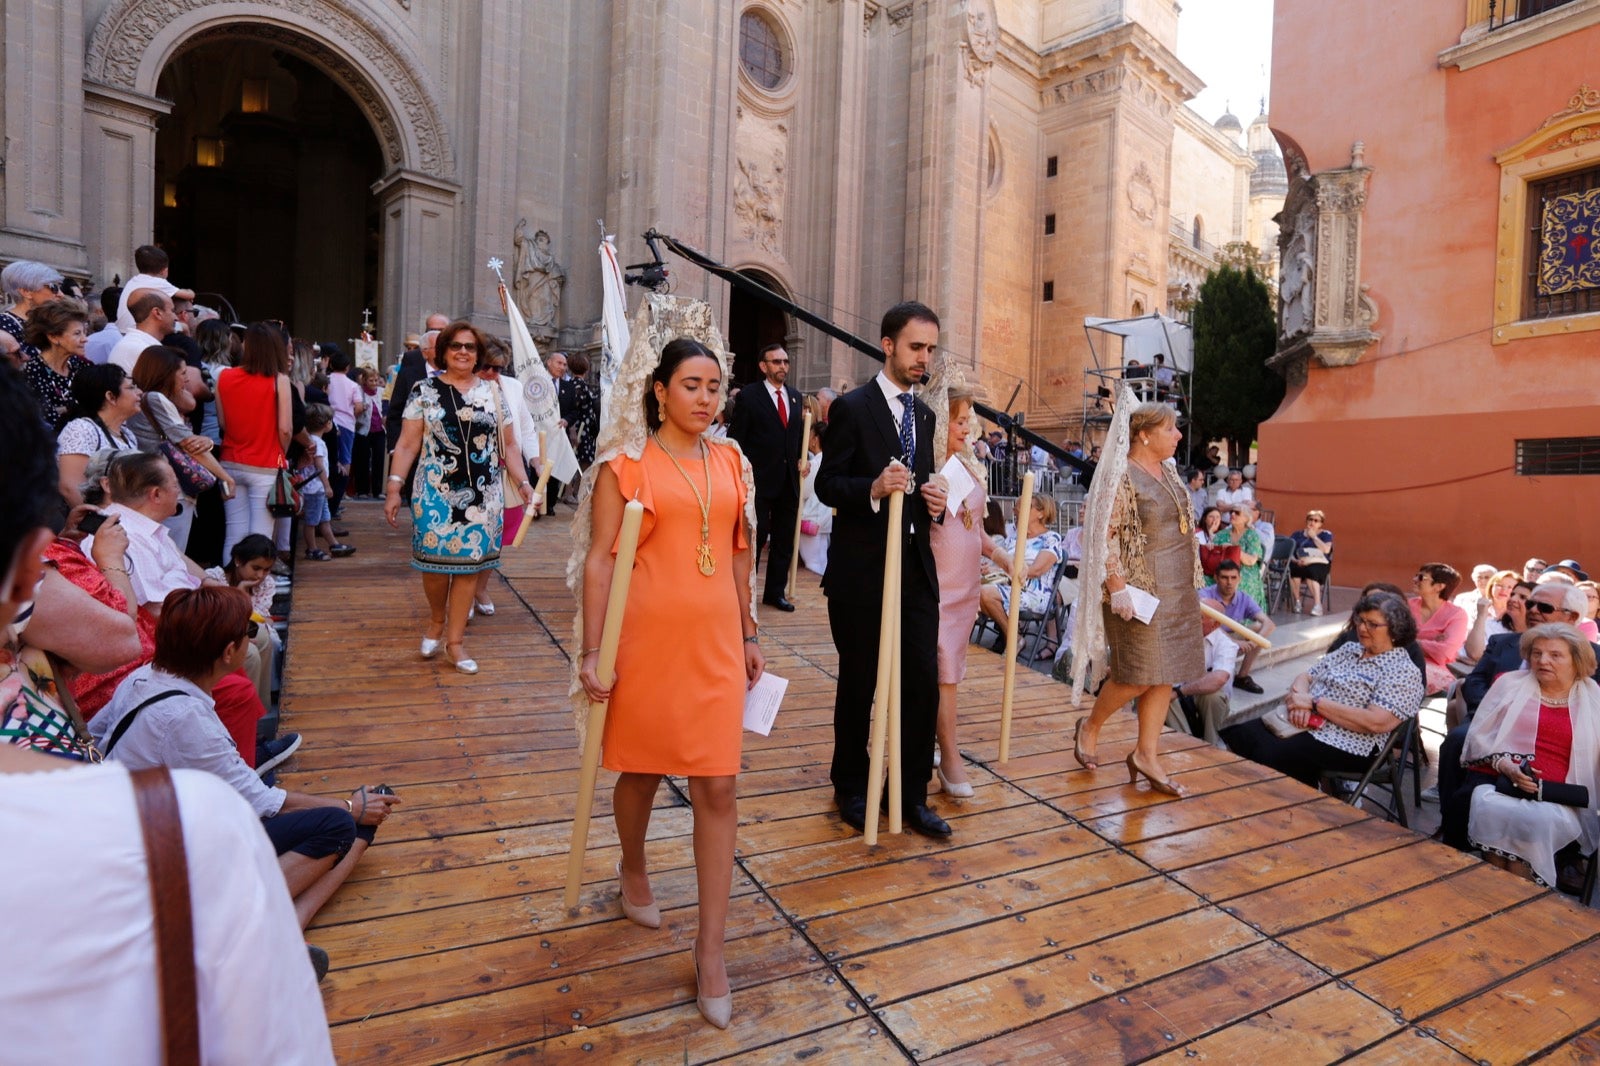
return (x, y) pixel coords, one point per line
(677, 706)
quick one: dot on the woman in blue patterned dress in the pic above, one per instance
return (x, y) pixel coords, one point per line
(457, 431)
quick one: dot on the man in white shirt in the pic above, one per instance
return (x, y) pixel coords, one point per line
(152, 264)
(1233, 493)
(1201, 706)
(154, 318)
(1468, 600)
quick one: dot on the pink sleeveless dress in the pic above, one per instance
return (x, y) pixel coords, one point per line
(957, 553)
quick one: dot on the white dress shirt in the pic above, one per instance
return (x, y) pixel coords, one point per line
(155, 565)
(84, 990)
(126, 351)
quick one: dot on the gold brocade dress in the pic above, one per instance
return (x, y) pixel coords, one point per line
(1171, 648)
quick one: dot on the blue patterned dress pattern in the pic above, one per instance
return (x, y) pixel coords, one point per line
(456, 501)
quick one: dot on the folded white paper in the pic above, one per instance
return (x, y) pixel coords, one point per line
(960, 481)
(761, 702)
(1144, 604)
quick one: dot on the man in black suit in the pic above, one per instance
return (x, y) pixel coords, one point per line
(766, 422)
(880, 439)
(1501, 655)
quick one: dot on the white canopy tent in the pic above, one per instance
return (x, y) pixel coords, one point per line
(1143, 338)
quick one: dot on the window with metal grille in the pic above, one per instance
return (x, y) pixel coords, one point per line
(1051, 166)
(761, 51)
(1578, 291)
(1049, 291)
(1049, 224)
(1558, 456)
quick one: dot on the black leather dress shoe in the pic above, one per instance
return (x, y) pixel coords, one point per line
(779, 602)
(853, 812)
(923, 820)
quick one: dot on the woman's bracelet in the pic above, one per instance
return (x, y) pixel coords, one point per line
(397, 479)
(587, 651)
(753, 638)
(115, 570)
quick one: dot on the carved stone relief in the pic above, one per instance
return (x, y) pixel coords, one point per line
(1142, 193)
(1324, 309)
(760, 178)
(899, 16)
(125, 34)
(980, 40)
(758, 192)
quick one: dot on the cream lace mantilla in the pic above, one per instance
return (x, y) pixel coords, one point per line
(659, 320)
(947, 374)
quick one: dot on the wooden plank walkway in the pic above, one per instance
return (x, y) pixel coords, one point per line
(1072, 918)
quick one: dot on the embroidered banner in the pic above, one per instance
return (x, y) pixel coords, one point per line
(1568, 258)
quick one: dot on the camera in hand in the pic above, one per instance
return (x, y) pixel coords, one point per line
(383, 790)
(91, 522)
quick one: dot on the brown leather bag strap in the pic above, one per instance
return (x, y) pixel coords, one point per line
(174, 927)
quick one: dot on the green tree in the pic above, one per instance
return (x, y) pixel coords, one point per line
(1235, 333)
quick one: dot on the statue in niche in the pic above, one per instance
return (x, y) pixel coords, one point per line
(536, 281)
(1297, 288)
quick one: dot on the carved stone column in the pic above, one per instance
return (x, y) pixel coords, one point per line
(1324, 309)
(41, 164)
(119, 147)
(419, 218)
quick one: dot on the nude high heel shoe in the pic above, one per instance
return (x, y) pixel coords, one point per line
(718, 1010)
(648, 916)
(1163, 785)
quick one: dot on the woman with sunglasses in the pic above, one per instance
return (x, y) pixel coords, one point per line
(1347, 704)
(455, 429)
(1309, 565)
(27, 285)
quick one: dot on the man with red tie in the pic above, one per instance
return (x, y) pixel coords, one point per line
(766, 422)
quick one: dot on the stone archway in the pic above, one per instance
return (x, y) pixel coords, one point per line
(752, 324)
(367, 56)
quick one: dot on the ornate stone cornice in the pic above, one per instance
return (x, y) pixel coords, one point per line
(377, 68)
(1132, 42)
(1325, 311)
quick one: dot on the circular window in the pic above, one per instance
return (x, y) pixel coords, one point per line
(761, 51)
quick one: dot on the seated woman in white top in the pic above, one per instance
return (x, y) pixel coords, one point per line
(104, 398)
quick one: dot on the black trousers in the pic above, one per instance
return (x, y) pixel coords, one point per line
(1302, 756)
(854, 621)
(366, 465)
(775, 517)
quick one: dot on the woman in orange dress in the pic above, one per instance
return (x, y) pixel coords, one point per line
(688, 649)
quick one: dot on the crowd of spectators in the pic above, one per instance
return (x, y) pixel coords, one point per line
(136, 633)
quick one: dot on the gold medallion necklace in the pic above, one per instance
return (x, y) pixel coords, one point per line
(703, 556)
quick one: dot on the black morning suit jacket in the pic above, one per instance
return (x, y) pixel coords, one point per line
(861, 440)
(772, 448)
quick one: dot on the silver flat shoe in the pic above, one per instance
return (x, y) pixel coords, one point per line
(430, 648)
(465, 666)
(485, 609)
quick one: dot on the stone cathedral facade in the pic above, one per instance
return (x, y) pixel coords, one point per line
(1009, 162)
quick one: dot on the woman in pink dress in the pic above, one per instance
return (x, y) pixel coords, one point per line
(1441, 625)
(958, 546)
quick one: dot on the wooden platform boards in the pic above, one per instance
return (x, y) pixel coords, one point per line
(1071, 919)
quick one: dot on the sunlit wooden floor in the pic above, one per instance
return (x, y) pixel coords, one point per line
(1072, 918)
